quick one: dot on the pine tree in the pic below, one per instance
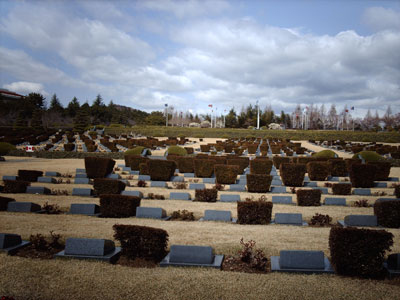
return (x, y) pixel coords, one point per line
(73, 107)
(36, 122)
(81, 121)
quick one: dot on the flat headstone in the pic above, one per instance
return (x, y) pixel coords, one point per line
(82, 192)
(197, 186)
(80, 171)
(179, 196)
(81, 181)
(333, 178)
(209, 180)
(278, 189)
(387, 199)
(393, 179)
(217, 215)
(273, 172)
(151, 212)
(84, 209)
(113, 176)
(144, 177)
(298, 259)
(360, 220)
(276, 177)
(188, 175)
(132, 193)
(237, 187)
(52, 174)
(177, 179)
(393, 261)
(380, 184)
(134, 172)
(275, 182)
(8, 177)
(46, 180)
(10, 243)
(282, 200)
(289, 219)
(80, 175)
(306, 178)
(161, 184)
(310, 184)
(126, 169)
(196, 256)
(335, 201)
(229, 198)
(98, 249)
(37, 190)
(362, 192)
(23, 207)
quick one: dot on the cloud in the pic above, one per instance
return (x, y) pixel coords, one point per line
(380, 18)
(24, 87)
(186, 9)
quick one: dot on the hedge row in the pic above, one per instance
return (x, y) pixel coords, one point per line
(118, 206)
(254, 212)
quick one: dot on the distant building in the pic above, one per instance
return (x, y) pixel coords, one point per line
(7, 95)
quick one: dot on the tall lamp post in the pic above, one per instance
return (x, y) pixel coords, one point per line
(258, 116)
(166, 115)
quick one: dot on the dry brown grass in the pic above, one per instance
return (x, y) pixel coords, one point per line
(62, 279)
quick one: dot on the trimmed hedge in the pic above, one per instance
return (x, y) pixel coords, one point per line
(142, 242)
(205, 148)
(226, 174)
(325, 154)
(186, 164)
(161, 170)
(143, 169)
(388, 213)
(242, 162)
(317, 170)
(118, 206)
(29, 175)
(337, 167)
(260, 166)
(397, 191)
(15, 186)
(108, 186)
(369, 156)
(258, 183)
(138, 150)
(382, 170)
(278, 160)
(98, 167)
(362, 175)
(292, 174)
(252, 149)
(69, 147)
(206, 195)
(254, 212)
(359, 252)
(204, 168)
(308, 197)
(6, 147)
(341, 188)
(134, 161)
(189, 150)
(176, 150)
(4, 203)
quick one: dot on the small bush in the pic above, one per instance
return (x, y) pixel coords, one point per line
(138, 150)
(4, 203)
(382, 170)
(142, 183)
(337, 167)
(118, 206)
(359, 252)
(141, 241)
(204, 168)
(183, 215)
(254, 212)
(317, 170)
(29, 175)
(308, 197)
(98, 167)
(206, 195)
(5, 148)
(51, 209)
(186, 164)
(108, 186)
(15, 186)
(180, 185)
(177, 150)
(362, 176)
(226, 174)
(361, 203)
(320, 220)
(388, 213)
(324, 154)
(256, 258)
(292, 174)
(260, 166)
(341, 189)
(258, 183)
(134, 161)
(153, 196)
(41, 243)
(219, 187)
(369, 156)
(161, 170)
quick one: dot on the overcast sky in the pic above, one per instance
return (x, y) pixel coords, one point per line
(190, 54)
